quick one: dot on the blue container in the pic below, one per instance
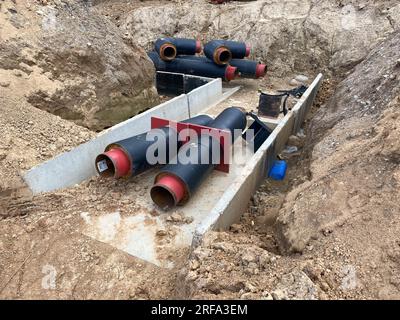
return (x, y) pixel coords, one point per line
(278, 170)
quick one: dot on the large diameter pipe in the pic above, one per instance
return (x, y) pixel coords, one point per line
(249, 69)
(246, 68)
(127, 157)
(169, 48)
(203, 68)
(177, 181)
(223, 51)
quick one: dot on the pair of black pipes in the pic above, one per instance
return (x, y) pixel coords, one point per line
(126, 158)
(225, 58)
(177, 181)
(246, 68)
(204, 68)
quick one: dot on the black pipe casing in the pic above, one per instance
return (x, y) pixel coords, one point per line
(198, 67)
(237, 49)
(136, 147)
(210, 49)
(249, 68)
(182, 45)
(192, 175)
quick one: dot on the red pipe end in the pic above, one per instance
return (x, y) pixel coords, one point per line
(198, 46)
(231, 73)
(168, 192)
(113, 163)
(261, 70)
(248, 50)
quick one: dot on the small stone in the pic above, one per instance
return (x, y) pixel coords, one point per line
(294, 83)
(194, 265)
(264, 260)
(161, 233)
(247, 258)
(188, 220)
(192, 276)
(4, 83)
(301, 78)
(295, 141)
(219, 246)
(236, 228)
(324, 286)
(279, 295)
(175, 217)
(18, 73)
(247, 296)
(290, 150)
(250, 288)
(266, 296)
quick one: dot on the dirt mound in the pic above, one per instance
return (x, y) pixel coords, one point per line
(328, 36)
(355, 150)
(75, 63)
(336, 234)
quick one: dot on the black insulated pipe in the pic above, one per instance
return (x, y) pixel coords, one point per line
(127, 157)
(249, 69)
(177, 181)
(169, 48)
(197, 67)
(246, 68)
(217, 52)
(223, 51)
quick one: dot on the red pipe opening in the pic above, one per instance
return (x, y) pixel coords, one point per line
(168, 192)
(198, 46)
(231, 73)
(168, 52)
(222, 55)
(113, 163)
(261, 70)
(248, 50)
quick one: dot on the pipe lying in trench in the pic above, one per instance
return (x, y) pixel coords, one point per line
(223, 51)
(202, 68)
(127, 157)
(177, 181)
(169, 48)
(246, 68)
(249, 69)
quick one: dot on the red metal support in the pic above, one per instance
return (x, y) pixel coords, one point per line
(223, 136)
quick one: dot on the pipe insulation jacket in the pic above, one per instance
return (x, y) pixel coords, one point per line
(127, 157)
(169, 48)
(199, 67)
(246, 68)
(178, 180)
(222, 51)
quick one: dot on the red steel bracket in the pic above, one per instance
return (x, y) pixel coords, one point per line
(223, 136)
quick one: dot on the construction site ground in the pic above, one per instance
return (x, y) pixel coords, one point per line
(345, 178)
